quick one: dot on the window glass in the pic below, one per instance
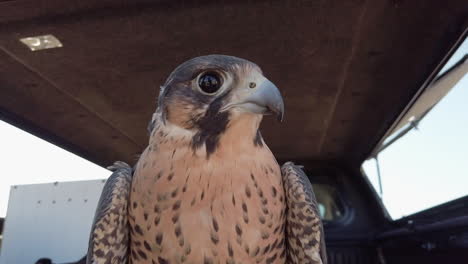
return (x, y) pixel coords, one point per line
(427, 165)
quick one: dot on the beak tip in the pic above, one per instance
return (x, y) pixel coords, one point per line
(280, 117)
(279, 109)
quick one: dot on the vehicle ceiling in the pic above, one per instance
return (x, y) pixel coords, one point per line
(346, 69)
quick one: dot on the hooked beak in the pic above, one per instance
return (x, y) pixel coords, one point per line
(265, 99)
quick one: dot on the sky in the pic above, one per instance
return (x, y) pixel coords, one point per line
(424, 168)
(428, 166)
(27, 159)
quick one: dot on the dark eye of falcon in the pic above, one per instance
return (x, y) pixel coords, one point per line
(210, 82)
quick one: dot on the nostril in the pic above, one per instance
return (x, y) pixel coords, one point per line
(252, 85)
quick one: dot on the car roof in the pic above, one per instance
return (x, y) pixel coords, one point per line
(346, 69)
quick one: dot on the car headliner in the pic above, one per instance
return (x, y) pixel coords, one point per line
(346, 69)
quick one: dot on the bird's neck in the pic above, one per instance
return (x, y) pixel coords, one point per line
(240, 135)
(241, 132)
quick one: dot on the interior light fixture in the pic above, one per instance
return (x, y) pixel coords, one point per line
(41, 42)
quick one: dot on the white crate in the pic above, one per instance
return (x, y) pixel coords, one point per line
(49, 220)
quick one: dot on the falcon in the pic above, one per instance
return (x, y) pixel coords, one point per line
(207, 189)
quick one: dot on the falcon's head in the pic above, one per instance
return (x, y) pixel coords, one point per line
(213, 94)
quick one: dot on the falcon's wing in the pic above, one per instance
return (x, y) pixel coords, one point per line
(109, 238)
(304, 230)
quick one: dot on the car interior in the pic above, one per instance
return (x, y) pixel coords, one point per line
(350, 73)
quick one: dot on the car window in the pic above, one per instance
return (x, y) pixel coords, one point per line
(424, 163)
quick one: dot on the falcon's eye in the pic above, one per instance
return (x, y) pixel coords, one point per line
(209, 82)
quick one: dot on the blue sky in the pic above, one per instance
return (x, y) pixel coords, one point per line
(424, 168)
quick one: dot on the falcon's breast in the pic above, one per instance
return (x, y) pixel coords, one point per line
(187, 208)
